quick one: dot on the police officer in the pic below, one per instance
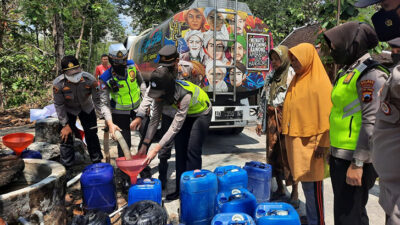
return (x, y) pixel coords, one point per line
(355, 98)
(168, 65)
(124, 84)
(395, 45)
(386, 138)
(189, 126)
(72, 91)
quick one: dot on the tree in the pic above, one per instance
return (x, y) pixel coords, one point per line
(148, 12)
(35, 36)
(283, 15)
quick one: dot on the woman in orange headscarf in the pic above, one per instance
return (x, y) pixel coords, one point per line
(306, 126)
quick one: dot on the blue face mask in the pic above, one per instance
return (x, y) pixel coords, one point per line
(387, 24)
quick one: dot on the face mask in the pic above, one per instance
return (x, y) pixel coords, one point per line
(339, 56)
(74, 78)
(120, 70)
(387, 24)
(395, 58)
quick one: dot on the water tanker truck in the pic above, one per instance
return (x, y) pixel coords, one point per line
(223, 48)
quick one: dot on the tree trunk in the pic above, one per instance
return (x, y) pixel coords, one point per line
(90, 44)
(37, 36)
(3, 23)
(58, 35)
(78, 48)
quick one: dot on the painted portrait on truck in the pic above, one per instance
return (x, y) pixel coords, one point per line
(192, 31)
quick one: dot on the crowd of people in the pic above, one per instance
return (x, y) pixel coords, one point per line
(354, 121)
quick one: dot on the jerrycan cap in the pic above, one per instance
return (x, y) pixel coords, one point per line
(237, 218)
(147, 181)
(236, 191)
(198, 173)
(234, 170)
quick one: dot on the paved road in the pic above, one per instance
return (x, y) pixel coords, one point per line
(222, 149)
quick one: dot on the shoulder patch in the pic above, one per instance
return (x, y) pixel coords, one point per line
(348, 78)
(385, 107)
(367, 90)
(55, 90)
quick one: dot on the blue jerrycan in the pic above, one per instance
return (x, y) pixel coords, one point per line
(232, 219)
(231, 177)
(98, 189)
(236, 201)
(276, 213)
(259, 175)
(30, 154)
(198, 192)
(145, 189)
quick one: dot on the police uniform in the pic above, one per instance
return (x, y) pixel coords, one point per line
(125, 99)
(355, 98)
(72, 100)
(385, 147)
(188, 128)
(168, 55)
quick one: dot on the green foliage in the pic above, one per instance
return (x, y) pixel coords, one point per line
(328, 19)
(283, 15)
(148, 12)
(27, 52)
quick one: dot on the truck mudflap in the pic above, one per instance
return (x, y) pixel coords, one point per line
(233, 116)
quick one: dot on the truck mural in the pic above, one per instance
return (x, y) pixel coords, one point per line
(192, 32)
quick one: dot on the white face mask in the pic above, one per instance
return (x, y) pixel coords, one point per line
(74, 78)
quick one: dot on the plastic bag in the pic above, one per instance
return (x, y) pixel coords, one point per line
(144, 213)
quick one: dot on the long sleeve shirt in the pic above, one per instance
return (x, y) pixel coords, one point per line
(368, 111)
(105, 91)
(75, 97)
(178, 119)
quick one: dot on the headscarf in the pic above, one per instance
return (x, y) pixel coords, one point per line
(279, 76)
(308, 100)
(351, 40)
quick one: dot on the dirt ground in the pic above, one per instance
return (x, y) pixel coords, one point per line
(219, 150)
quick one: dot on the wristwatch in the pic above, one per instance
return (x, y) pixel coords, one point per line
(357, 163)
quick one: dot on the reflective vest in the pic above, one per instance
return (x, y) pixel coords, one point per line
(128, 95)
(199, 101)
(346, 116)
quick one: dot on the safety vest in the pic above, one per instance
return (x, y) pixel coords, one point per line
(346, 116)
(199, 101)
(128, 95)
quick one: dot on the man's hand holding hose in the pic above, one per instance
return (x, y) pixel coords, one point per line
(112, 128)
(151, 154)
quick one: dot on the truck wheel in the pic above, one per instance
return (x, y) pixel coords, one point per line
(237, 130)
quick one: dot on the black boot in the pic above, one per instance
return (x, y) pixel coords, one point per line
(163, 171)
(172, 196)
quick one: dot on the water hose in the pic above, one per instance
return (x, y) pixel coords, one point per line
(106, 144)
(23, 221)
(74, 180)
(124, 146)
(117, 211)
(39, 214)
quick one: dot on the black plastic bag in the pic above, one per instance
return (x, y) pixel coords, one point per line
(144, 213)
(92, 218)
